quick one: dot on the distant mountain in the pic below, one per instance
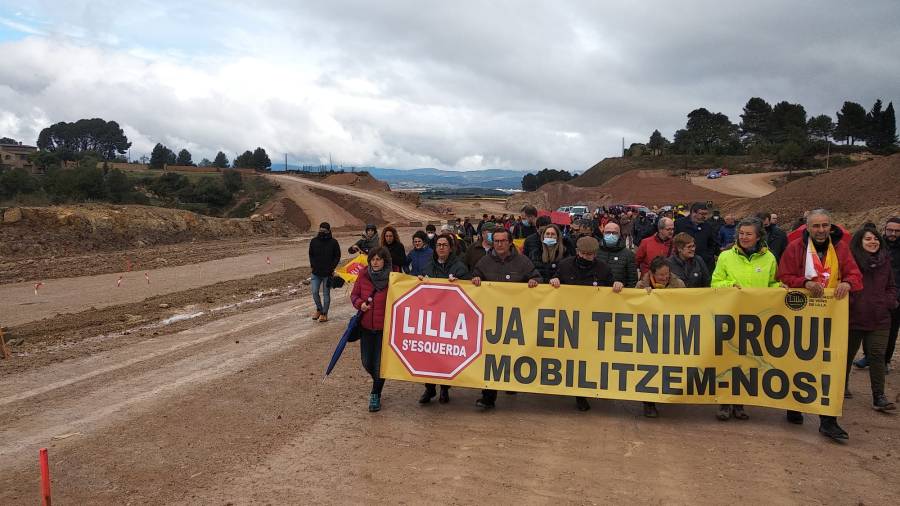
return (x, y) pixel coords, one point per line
(439, 178)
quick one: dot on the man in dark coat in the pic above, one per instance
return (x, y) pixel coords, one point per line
(617, 257)
(503, 263)
(704, 236)
(585, 269)
(776, 239)
(324, 256)
(529, 223)
(892, 238)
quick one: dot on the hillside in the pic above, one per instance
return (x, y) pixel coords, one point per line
(869, 191)
(609, 168)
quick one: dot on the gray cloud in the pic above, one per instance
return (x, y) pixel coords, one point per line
(464, 84)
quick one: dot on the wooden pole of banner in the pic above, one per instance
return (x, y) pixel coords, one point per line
(3, 348)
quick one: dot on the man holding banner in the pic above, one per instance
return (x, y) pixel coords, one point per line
(503, 263)
(818, 260)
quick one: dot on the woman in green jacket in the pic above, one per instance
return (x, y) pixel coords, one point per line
(748, 264)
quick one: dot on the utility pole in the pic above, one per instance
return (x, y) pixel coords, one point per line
(827, 152)
(285, 162)
(623, 147)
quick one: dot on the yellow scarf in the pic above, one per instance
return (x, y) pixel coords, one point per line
(828, 274)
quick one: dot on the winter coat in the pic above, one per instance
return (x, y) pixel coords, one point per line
(777, 240)
(650, 248)
(870, 308)
(759, 270)
(454, 265)
(570, 273)
(620, 261)
(324, 255)
(516, 268)
(674, 282)
(366, 244)
(417, 260)
(792, 266)
(695, 273)
(704, 237)
(548, 269)
(398, 255)
(523, 230)
(373, 319)
(726, 235)
(473, 255)
(894, 250)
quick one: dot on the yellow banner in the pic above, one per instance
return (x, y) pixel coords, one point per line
(351, 269)
(519, 244)
(764, 347)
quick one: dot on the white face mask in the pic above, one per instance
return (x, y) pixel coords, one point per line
(430, 235)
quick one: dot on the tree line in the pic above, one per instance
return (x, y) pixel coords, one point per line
(531, 182)
(783, 131)
(257, 159)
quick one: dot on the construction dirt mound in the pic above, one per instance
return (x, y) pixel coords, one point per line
(289, 213)
(361, 181)
(865, 192)
(636, 186)
(67, 230)
(364, 210)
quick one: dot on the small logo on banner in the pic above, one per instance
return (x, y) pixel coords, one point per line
(795, 300)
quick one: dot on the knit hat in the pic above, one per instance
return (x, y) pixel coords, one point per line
(490, 226)
(587, 244)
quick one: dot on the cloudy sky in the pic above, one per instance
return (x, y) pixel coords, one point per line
(461, 85)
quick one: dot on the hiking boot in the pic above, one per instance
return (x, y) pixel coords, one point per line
(323, 318)
(724, 413)
(316, 315)
(861, 362)
(444, 398)
(830, 428)
(484, 404)
(795, 417)
(582, 404)
(650, 410)
(374, 403)
(427, 395)
(848, 394)
(881, 403)
(737, 411)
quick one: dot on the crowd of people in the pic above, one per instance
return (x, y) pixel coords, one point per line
(622, 249)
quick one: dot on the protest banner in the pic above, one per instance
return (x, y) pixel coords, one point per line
(764, 347)
(351, 269)
(519, 244)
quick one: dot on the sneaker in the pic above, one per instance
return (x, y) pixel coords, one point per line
(724, 413)
(881, 403)
(323, 318)
(861, 362)
(650, 410)
(830, 428)
(484, 404)
(316, 315)
(374, 402)
(795, 417)
(582, 404)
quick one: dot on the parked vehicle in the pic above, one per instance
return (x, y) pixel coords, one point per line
(714, 174)
(577, 212)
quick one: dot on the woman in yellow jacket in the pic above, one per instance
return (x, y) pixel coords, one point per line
(748, 264)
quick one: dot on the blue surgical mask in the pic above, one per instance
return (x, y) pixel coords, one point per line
(526, 222)
(549, 241)
(610, 239)
(490, 237)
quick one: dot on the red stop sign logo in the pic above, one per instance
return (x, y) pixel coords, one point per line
(436, 330)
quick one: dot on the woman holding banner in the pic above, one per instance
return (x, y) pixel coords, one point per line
(445, 264)
(685, 263)
(369, 295)
(747, 264)
(870, 309)
(658, 276)
(552, 250)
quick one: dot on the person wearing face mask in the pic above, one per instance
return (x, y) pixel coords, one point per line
(528, 224)
(532, 244)
(430, 234)
(417, 259)
(480, 248)
(324, 257)
(747, 264)
(870, 309)
(552, 250)
(615, 254)
(817, 260)
(685, 263)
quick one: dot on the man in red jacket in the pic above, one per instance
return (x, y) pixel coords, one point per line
(658, 244)
(818, 260)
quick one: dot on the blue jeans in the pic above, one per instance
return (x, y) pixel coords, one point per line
(323, 302)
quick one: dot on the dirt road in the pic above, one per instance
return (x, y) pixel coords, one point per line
(235, 412)
(393, 209)
(742, 185)
(317, 208)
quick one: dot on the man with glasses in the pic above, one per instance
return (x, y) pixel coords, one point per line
(503, 263)
(658, 244)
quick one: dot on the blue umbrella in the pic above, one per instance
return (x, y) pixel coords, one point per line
(342, 342)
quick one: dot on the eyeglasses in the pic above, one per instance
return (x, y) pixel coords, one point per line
(498, 241)
(892, 231)
(442, 245)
